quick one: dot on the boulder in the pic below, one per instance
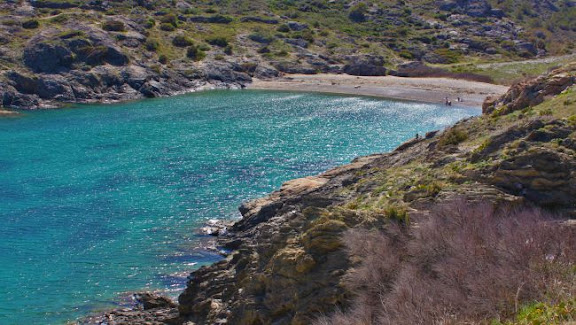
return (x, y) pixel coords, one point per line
(47, 57)
(297, 42)
(265, 72)
(296, 26)
(365, 65)
(14, 99)
(54, 87)
(153, 301)
(225, 72)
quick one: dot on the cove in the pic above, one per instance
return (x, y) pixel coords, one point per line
(101, 200)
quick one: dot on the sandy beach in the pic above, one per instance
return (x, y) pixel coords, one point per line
(429, 90)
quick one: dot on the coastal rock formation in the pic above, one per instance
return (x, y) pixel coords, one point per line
(532, 92)
(287, 261)
(366, 65)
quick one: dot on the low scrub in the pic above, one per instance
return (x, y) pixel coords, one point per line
(453, 136)
(182, 41)
(114, 26)
(463, 264)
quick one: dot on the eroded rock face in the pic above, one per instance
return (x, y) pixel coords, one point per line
(287, 258)
(533, 92)
(365, 65)
(46, 57)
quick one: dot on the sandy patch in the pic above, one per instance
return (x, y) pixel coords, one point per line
(429, 90)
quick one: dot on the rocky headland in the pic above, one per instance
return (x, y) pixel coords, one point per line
(288, 261)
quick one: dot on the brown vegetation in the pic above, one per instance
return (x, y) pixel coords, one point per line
(462, 264)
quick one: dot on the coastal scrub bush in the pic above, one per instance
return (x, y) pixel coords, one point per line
(453, 136)
(261, 38)
(463, 263)
(149, 23)
(182, 41)
(30, 24)
(152, 45)
(167, 27)
(60, 19)
(170, 19)
(283, 28)
(113, 26)
(195, 53)
(358, 12)
(217, 41)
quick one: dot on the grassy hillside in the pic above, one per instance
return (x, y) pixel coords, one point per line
(275, 30)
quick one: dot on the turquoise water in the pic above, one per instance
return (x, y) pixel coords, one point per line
(104, 200)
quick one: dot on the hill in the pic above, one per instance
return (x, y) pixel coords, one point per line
(56, 51)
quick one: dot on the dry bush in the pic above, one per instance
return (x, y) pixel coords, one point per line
(465, 263)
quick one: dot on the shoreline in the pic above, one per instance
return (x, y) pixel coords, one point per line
(427, 90)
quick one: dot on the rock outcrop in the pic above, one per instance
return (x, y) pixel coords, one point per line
(287, 262)
(533, 92)
(287, 258)
(365, 65)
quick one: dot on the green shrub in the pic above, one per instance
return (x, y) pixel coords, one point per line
(204, 47)
(114, 26)
(182, 41)
(220, 19)
(167, 27)
(406, 55)
(358, 12)
(195, 53)
(30, 24)
(398, 214)
(448, 55)
(229, 50)
(453, 136)
(152, 45)
(71, 34)
(261, 38)
(543, 313)
(60, 19)
(217, 41)
(170, 19)
(308, 36)
(283, 28)
(149, 23)
(163, 59)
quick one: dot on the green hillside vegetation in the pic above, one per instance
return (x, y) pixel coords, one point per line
(275, 30)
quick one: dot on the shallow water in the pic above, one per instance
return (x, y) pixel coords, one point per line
(103, 200)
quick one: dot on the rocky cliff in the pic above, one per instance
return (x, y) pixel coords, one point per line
(287, 259)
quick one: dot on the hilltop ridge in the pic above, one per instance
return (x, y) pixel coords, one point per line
(67, 51)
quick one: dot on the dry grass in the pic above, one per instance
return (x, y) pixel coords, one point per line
(462, 264)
